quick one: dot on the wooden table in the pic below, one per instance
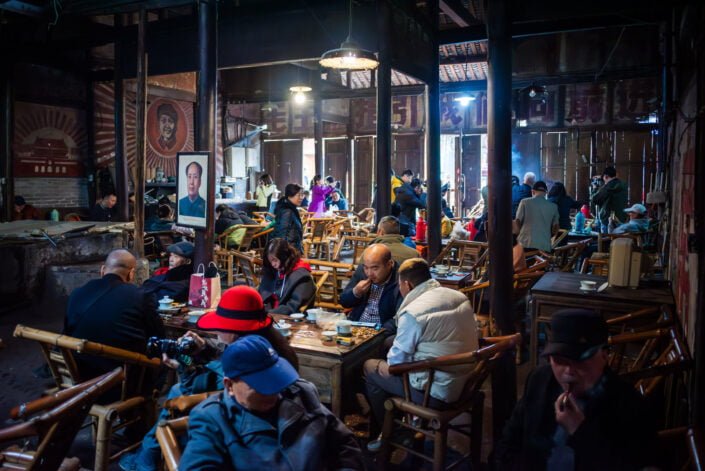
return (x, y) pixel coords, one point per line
(453, 280)
(558, 290)
(331, 367)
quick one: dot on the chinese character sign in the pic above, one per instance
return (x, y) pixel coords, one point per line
(634, 99)
(586, 103)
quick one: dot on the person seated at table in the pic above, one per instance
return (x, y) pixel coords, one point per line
(173, 281)
(104, 209)
(373, 291)
(388, 233)
(286, 284)
(638, 222)
(576, 413)
(162, 221)
(240, 313)
(267, 418)
(24, 211)
(228, 217)
(432, 321)
(336, 202)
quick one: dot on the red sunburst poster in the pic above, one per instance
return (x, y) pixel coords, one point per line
(49, 141)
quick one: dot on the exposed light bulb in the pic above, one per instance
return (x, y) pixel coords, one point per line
(299, 98)
(532, 92)
(464, 100)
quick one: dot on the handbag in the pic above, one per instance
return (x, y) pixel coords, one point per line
(204, 287)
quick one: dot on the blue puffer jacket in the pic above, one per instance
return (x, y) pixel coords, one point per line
(225, 436)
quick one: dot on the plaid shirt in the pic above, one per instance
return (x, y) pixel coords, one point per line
(371, 312)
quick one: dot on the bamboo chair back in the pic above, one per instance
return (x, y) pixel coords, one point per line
(565, 257)
(168, 435)
(55, 429)
(320, 278)
(558, 238)
(249, 267)
(329, 292)
(132, 407)
(596, 266)
(435, 424)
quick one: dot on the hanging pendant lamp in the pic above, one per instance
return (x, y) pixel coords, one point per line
(349, 56)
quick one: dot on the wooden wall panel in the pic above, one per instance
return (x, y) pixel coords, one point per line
(407, 153)
(364, 171)
(282, 160)
(337, 161)
(471, 169)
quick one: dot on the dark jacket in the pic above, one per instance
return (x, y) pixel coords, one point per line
(565, 203)
(388, 304)
(303, 435)
(111, 312)
(287, 295)
(174, 284)
(231, 218)
(617, 434)
(288, 224)
(519, 192)
(99, 213)
(408, 201)
(611, 197)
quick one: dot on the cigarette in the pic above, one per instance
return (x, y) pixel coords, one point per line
(564, 401)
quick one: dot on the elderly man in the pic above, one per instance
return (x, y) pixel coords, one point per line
(576, 413)
(538, 220)
(267, 418)
(610, 198)
(638, 222)
(388, 234)
(192, 204)
(112, 311)
(523, 191)
(373, 291)
(432, 321)
(104, 210)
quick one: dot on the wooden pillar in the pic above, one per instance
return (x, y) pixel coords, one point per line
(499, 137)
(699, 376)
(121, 173)
(383, 204)
(205, 122)
(89, 157)
(433, 154)
(7, 117)
(318, 133)
(140, 132)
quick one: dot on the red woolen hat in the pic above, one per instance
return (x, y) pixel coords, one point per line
(240, 310)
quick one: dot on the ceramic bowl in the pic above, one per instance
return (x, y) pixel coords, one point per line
(193, 316)
(328, 335)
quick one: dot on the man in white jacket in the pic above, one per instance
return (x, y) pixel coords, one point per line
(432, 321)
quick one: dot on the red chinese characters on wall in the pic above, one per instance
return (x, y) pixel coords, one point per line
(407, 114)
(49, 141)
(634, 100)
(586, 103)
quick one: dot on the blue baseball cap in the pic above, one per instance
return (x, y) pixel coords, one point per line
(254, 360)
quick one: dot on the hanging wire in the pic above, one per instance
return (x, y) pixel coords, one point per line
(57, 7)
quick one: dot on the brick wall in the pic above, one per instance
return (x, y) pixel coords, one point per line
(48, 193)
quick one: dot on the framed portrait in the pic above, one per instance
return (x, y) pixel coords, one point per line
(192, 190)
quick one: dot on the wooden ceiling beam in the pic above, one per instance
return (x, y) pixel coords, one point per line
(455, 10)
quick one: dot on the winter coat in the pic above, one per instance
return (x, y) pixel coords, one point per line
(318, 199)
(288, 224)
(611, 197)
(174, 284)
(303, 435)
(388, 303)
(286, 294)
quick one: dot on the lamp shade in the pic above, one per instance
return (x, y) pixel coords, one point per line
(349, 56)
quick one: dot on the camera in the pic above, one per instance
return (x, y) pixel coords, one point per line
(180, 350)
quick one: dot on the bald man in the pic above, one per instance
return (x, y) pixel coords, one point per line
(373, 292)
(112, 311)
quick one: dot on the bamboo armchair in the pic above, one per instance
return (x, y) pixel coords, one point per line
(558, 238)
(461, 253)
(131, 408)
(675, 440)
(317, 240)
(248, 232)
(596, 266)
(564, 258)
(329, 292)
(435, 424)
(320, 278)
(169, 431)
(358, 244)
(247, 265)
(55, 429)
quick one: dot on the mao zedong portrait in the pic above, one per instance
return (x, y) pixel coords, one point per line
(192, 204)
(168, 120)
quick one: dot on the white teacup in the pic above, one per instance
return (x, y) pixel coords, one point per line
(328, 335)
(312, 314)
(442, 269)
(193, 316)
(284, 328)
(588, 285)
(165, 302)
